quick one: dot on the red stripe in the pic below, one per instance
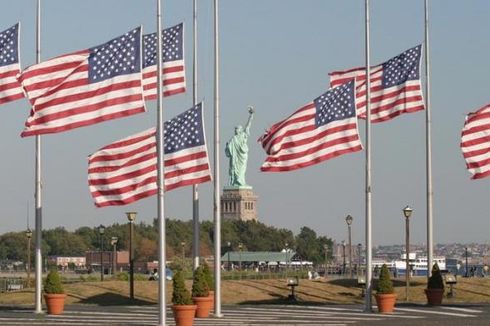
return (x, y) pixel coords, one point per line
(477, 116)
(279, 126)
(312, 150)
(123, 155)
(9, 73)
(185, 158)
(129, 200)
(168, 70)
(480, 175)
(167, 93)
(479, 164)
(86, 94)
(11, 98)
(477, 152)
(396, 113)
(126, 189)
(85, 109)
(188, 182)
(48, 130)
(34, 72)
(312, 162)
(303, 141)
(166, 82)
(129, 163)
(186, 171)
(123, 177)
(127, 142)
(56, 83)
(475, 129)
(8, 86)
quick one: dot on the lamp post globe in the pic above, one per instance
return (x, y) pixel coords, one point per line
(407, 211)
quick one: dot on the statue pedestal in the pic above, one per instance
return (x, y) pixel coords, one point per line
(239, 203)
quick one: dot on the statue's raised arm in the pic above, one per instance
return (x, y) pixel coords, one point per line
(251, 112)
(237, 152)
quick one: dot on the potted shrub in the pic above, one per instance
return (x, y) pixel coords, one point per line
(435, 287)
(183, 308)
(208, 275)
(54, 295)
(200, 294)
(385, 294)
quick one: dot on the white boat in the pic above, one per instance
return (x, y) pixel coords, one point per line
(418, 265)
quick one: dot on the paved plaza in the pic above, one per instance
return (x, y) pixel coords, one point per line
(256, 315)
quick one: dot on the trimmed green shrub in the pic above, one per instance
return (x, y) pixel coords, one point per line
(208, 275)
(199, 285)
(180, 295)
(53, 283)
(385, 285)
(435, 280)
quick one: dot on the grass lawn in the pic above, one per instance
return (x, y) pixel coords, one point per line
(330, 291)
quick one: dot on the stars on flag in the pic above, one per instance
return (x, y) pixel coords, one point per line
(8, 46)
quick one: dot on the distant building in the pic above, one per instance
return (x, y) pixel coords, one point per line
(93, 259)
(64, 261)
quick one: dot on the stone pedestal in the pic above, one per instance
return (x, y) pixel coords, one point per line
(239, 203)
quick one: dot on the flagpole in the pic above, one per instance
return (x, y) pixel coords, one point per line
(195, 193)
(38, 197)
(161, 176)
(430, 194)
(368, 305)
(217, 207)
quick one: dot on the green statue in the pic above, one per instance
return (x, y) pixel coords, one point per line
(237, 151)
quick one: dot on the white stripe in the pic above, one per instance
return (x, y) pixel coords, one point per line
(84, 117)
(434, 312)
(462, 309)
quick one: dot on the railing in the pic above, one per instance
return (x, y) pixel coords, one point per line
(12, 284)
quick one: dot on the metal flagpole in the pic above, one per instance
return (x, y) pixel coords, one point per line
(38, 197)
(217, 208)
(161, 176)
(430, 244)
(368, 306)
(195, 193)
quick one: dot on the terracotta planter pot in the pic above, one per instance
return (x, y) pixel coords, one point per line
(204, 305)
(434, 296)
(386, 302)
(184, 314)
(55, 303)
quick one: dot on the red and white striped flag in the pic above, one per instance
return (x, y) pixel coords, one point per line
(321, 130)
(475, 142)
(126, 171)
(85, 87)
(173, 70)
(10, 89)
(395, 86)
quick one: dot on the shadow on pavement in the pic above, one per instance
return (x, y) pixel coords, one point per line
(113, 299)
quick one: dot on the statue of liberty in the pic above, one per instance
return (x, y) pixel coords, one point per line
(237, 151)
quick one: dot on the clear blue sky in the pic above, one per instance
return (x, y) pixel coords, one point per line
(275, 55)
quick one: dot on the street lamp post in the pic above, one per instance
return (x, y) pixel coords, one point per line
(240, 246)
(114, 255)
(131, 217)
(343, 257)
(348, 220)
(229, 249)
(101, 233)
(325, 246)
(286, 245)
(29, 236)
(466, 273)
(182, 244)
(359, 256)
(407, 212)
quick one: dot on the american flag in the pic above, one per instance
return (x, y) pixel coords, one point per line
(10, 89)
(475, 142)
(85, 87)
(173, 62)
(321, 130)
(126, 171)
(395, 86)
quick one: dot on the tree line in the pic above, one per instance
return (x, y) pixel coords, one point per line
(253, 236)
